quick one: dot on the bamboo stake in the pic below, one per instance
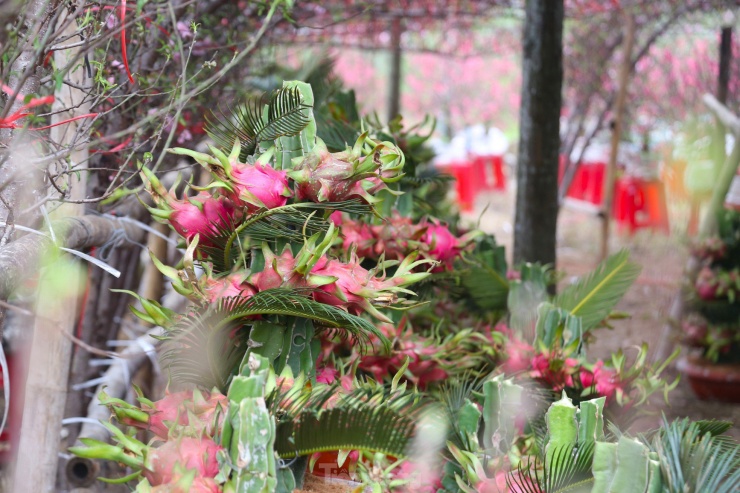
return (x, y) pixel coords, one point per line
(611, 170)
(51, 352)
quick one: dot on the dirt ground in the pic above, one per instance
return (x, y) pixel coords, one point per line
(662, 258)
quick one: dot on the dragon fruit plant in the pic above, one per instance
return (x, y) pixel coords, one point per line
(264, 283)
(712, 326)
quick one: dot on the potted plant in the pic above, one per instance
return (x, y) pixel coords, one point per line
(712, 328)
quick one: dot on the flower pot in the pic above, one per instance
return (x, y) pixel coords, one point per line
(709, 381)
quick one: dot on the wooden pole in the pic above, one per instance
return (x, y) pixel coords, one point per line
(611, 170)
(48, 369)
(394, 94)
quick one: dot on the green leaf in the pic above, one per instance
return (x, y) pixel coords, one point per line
(485, 280)
(284, 113)
(372, 420)
(206, 348)
(593, 297)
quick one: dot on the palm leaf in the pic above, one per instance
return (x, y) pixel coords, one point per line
(204, 348)
(485, 280)
(196, 353)
(693, 459)
(373, 419)
(593, 297)
(259, 120)
(295, 303)
(291, 223)
(569, 470)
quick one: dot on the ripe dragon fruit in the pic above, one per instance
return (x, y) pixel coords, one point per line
(356, 289)
(232, 285)
(443, 245)
(199, 454)
(190, 412)
(707, 284)
(203, 214)
(398, 236)
(322, 176)
(253, 186)
(184, 485)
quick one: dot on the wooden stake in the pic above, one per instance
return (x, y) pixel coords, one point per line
(611, 170)
(51, 352)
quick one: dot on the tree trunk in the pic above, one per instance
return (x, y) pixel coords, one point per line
(394, 93)
(539, 135)
(611, 170)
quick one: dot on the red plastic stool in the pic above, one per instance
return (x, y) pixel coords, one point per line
(577, 189)
(490, 171)
(640, 204)
(467, 182)
(594, 186)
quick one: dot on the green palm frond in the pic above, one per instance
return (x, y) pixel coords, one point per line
(297, 303)
(569, 470)
(205, 348)
(693, 459)
(593, 297)
(369, 419)
(281, 114)
(196, 352)
(292, 223)
(420, 181)
(485, 279)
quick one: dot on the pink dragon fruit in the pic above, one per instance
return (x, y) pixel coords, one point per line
(259, 186)
(197, 454)
(254, 186)
(194, 412)
(356, 289)
(325, 177)
(707, 284)
(232, 285)
(164, 413)
(397, 237)
(186, 485)
(203, 214)
(279, 271)
(604, 381)
(554, 372)
(361, 236)
(422, 355)
(443, 245)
